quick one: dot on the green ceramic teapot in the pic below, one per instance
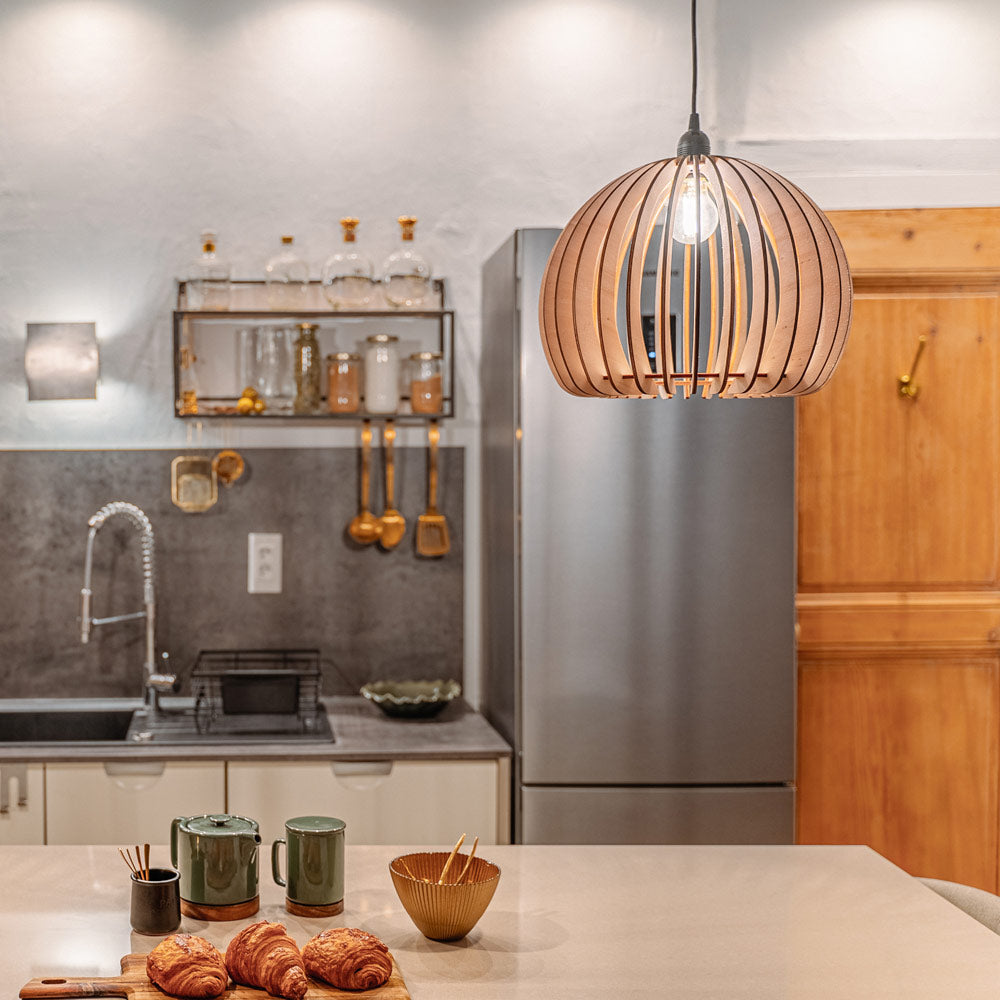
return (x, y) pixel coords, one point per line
(216, 856)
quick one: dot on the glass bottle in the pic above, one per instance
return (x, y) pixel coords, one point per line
(187, 379)
(406, 275)
(210, 279)
(347, 274)
(286, 275)
(426, 385)
(308, 366)
(343, 382)
(381, 374)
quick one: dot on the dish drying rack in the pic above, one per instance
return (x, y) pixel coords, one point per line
(264, 691)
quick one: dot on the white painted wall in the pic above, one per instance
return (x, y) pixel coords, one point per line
(126, 126)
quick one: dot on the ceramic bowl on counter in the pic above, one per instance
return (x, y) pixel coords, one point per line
(411, 699)
(446, 911)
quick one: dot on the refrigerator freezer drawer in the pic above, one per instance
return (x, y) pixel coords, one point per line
(717, 815)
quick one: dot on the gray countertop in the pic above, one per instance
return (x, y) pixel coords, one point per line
(361, 732)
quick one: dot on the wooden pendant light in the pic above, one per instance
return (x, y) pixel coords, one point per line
(696, 274)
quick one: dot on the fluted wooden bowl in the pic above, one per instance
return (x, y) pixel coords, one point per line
(443, 912)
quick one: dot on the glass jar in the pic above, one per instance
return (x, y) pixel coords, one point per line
(308, 368)
(347, 274)
(406, 274)
(426, 384)
(381, 374)
(210, 280)
(343, 382)
(286, 276)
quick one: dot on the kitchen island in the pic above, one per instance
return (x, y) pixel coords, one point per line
(580, 922)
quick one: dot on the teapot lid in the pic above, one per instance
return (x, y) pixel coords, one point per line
(218, 824)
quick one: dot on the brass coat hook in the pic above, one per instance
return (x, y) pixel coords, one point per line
(906, 387)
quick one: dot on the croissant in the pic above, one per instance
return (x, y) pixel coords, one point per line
(264, 955)
(348, 958)
(187, 966)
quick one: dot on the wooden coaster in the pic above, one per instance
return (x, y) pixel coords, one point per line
(301, 910)
(232, 911)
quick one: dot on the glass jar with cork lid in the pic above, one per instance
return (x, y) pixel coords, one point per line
(426, 383)
(343, 382)
(381, 374)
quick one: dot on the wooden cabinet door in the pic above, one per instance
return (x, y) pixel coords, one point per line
(898, 493)
(898, 501)
(900, 753)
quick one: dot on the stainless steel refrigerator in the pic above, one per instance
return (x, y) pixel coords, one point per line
(638, 587)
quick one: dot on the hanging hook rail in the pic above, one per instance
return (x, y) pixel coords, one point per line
(905, 382)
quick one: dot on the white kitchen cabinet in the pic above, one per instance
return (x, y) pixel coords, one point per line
(382, 802)
(22, 804)
(128, 802)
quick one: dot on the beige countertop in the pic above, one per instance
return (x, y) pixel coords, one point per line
(361, 732)
(810, 923)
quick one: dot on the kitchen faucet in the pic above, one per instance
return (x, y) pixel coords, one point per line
(153, 681)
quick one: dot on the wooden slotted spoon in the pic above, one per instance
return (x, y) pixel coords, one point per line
(393, 523)
(432, 528)
(365, 528)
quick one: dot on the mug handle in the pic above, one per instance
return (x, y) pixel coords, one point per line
(274, 862)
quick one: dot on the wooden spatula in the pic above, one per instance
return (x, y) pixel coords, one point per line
(432, 528)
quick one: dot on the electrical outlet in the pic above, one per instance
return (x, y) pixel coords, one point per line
(263, 563)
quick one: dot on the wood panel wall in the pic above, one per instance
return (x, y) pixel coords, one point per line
(899, 553)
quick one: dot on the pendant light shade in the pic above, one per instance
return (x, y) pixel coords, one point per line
(646, 294)
(699, 274)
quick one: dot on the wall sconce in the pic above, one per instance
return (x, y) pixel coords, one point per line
(61, 360)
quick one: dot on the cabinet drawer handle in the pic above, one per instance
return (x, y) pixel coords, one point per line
(361, 775)
(361, 768)
(9, 773)
(135, 776)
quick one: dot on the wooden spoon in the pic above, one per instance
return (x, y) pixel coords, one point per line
(365, 528)
(393, 523)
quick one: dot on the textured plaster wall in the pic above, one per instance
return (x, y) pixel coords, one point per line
(126, 126)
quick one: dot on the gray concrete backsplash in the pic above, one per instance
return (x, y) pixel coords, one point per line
(371, 614)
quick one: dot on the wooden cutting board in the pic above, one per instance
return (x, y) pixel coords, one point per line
(134, 984)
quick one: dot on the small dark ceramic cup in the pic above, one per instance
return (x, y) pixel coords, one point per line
(156, 902)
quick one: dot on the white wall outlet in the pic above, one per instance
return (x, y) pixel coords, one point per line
(263, 563)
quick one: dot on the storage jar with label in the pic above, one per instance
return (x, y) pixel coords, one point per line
(426, 386)
(343, 382)
(381, 374)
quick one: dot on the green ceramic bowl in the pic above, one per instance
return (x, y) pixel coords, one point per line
(411, 699)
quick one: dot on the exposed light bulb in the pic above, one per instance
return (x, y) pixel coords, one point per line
(686, 217)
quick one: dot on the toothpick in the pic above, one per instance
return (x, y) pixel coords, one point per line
(468, 861)
(451, 857)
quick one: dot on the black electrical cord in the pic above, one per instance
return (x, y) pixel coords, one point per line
(694, 54)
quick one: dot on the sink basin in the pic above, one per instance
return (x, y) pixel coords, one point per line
(125, 721)
(63, 721)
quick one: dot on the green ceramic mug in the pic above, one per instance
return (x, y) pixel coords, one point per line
(314, 847)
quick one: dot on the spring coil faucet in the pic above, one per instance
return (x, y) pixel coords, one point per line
(153, 682)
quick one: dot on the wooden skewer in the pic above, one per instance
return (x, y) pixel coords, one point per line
(451, 857)
(145, 855)
(468, 861)
(128, 860)
(138, 860)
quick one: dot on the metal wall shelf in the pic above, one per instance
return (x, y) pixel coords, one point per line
(208, 340)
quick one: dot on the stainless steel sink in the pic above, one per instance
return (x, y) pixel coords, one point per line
(65, 720)
(188, 727)
(125, 721)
